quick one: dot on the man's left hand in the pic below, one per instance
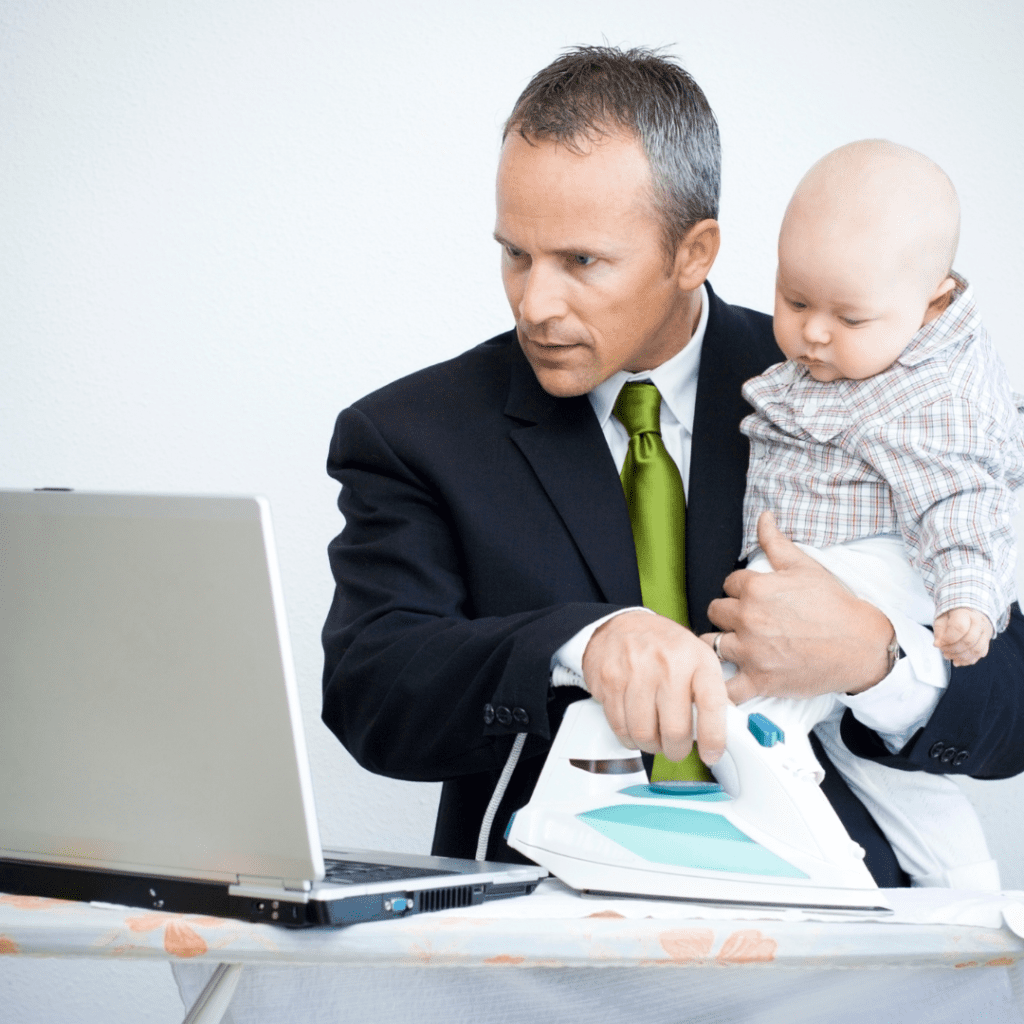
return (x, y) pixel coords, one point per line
(797, 631)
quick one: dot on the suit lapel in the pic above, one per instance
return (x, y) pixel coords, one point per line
(563, 443)
(730, 355)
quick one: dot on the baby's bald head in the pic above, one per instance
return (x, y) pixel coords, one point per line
(891, 203)
(865, 254)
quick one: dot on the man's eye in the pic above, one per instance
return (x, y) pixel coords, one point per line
(512, 253)
(582, 261)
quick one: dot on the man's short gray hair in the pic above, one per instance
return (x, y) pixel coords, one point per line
(592, 91)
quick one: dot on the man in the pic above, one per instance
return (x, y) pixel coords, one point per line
(488, 553)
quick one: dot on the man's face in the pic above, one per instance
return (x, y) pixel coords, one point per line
(583, 262)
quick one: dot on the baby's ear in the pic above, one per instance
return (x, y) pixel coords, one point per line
(940, 299)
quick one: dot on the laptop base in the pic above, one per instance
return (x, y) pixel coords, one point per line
(183, 896)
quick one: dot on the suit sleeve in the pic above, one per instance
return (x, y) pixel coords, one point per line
(977, 728)
(418, 683)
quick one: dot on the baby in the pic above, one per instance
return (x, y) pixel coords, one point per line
(890, 444)
(893, 414)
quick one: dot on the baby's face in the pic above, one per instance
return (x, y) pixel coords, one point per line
(840, 309)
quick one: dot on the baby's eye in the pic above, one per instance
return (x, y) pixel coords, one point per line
(793, 304)
(850, 321)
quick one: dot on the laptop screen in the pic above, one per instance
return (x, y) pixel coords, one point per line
(150, 717)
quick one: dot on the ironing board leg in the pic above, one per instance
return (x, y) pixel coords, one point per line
(213, 1001)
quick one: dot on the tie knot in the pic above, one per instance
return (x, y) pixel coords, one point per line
(638, 408)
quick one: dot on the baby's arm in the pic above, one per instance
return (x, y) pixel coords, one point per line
(953, 493)
(962, 634)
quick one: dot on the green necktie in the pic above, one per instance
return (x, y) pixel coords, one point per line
(657, 513)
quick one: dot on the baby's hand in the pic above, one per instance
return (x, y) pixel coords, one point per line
(962, 634)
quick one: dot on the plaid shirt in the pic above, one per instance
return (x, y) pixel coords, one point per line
(931, 449)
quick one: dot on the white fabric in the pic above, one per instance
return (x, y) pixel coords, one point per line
(875, 569)
(932, 827)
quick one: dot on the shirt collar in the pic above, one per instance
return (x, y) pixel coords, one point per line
(960, 317)
(675, 379)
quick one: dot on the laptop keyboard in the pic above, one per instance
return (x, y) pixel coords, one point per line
(352, 872)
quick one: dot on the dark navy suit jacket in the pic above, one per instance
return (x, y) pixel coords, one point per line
(485, 525)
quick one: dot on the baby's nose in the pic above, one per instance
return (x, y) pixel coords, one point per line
(816, 331)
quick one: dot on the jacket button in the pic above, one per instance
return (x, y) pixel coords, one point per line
(488, 714)
(937, 749)
(503, 715)
(948, 754)
(520, 716)
(961, 757)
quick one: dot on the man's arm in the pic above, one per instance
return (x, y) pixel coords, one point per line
(977, 727)
(414, 687)
(798, 631)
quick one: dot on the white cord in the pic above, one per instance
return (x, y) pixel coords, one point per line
(499, 792)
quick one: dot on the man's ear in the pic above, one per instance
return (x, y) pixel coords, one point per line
(696, 254)
(940, 299)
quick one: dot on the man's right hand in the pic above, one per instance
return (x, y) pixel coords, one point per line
(647, 672)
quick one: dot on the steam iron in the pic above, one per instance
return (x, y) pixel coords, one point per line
(762, 835)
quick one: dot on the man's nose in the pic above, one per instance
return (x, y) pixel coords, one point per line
(543, 296)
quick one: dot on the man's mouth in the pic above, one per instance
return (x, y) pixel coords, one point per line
(545, 348)
(553, 348)
(548, 342)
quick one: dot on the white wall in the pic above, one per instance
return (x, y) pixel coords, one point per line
(223, 221)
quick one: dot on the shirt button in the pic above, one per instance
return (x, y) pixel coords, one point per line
(488, 714)
(503, 715)
(521, 716)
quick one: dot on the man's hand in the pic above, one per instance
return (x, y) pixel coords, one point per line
(797, 631)
(962, 634)
(646, 671)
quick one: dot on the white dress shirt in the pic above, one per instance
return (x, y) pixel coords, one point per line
(898, 705)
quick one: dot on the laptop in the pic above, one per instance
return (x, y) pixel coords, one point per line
(151, 743)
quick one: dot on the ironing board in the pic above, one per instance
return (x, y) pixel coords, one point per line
(551, 955)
